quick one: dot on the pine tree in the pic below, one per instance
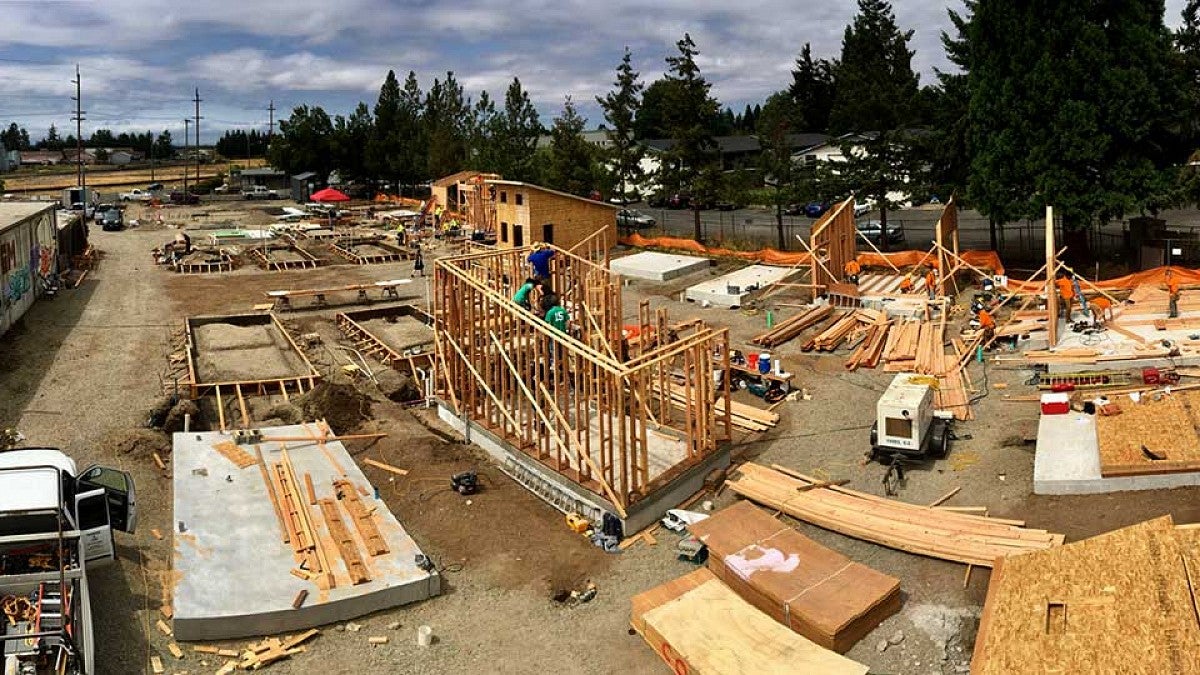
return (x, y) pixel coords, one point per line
(383, 148)
(876, 84)
(690, 162)
(446, 123)
(51, 141)
(483, 153)
(515, 134)
(812, 91)
(411, 142)
(621, 107)
(571, 156)
(775, 122)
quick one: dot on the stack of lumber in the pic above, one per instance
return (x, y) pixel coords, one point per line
(698, 625)
(744, 417)
(930, 531)
(1090, 356)
(816, 592)
(902, 342)
(1119, 602)
(833, 336)
(870, 350)
(931, 349)
(790, 328)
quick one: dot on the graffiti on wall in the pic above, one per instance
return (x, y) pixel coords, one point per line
(15, 280)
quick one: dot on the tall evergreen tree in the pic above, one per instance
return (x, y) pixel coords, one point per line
(52, 140)
(304, 142)
(1071, 104)
(623, 156)
(163, 147)
(483, 152)
(691, 161)
(350, 135)
(876, 85)
(779, 171)
(412, 145)
(446, 122)
(383, 149)
(515, 134)
(571, 156)
(650, 119)
(812, 91)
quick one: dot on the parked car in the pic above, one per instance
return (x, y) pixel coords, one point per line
(155, 187)
(260, 192)
(679, 200)
(634, 220)
(136, 195)
(815, 209)
(111, 220)
(184, 198)
(726, 205)
(872, 230)
(861, 209)
(793, 210)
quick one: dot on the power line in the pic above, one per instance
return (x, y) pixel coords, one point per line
(78, 117)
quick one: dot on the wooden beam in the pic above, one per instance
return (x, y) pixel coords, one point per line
(1051, 293)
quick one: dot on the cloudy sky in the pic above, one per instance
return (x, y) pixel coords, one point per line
(141, 60)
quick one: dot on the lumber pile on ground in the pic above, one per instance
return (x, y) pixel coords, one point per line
(902, 342)
(819, 593)
(744, 417)
(698, 625)
(938, 533)
(833, 336)
(790, 328)
(870, 350)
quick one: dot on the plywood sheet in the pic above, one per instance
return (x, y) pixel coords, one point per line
(817, 592)
(708, 630)
(1166, 426)
(1118, 602)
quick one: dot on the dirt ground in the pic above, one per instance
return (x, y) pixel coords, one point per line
(81, 371)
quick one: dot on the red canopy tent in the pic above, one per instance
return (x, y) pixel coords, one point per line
(329, 195)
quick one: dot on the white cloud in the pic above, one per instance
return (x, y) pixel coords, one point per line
(250, 70)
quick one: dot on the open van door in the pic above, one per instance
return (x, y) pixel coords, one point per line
(95, 532)
(118, 486)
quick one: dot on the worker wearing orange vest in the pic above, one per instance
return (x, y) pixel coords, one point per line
(1101, 308)
(852, 269)
(1173, 292)
(906, 284)
(1066, 290)
(931, 282)
(986, 324)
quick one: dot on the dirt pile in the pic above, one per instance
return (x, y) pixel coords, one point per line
(138, 443)
(343, 406)
(397, 386)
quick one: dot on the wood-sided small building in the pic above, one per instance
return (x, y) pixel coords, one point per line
(528, 213)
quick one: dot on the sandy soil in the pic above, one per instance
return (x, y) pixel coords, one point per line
(403, 333)
(83, 367)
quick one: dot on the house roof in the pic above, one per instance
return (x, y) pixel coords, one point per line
(12, 213)
(265, 171)
(517, 183)
(726, 145)
(805, 140)
(454, 178)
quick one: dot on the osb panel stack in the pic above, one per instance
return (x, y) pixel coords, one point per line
(1163, 426)
(698, 626)
(819, 593)
(1120, 602)
(938, 533)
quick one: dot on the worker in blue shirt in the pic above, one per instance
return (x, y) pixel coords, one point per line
(540, 260)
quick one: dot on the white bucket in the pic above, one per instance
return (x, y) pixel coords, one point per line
(424, 636)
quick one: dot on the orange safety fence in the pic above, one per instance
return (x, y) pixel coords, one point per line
(1154, 277)
(984, 260)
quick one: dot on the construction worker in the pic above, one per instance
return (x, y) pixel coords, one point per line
(1066, 291)
(852, 270)
(418, 264)
(986, 324)
(931, 282)
(1173, 292)
(540, 260)
(557, 317)
(1102, 309)
(906, 284)
(521, 297)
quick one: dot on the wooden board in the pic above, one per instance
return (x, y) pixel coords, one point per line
(938, 533)
(817, 592)
(363, 518)
(1120, 602)
(235, 453)
(345, 542)
(700, 627)
(1166, 426)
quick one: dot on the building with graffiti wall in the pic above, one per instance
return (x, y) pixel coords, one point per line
(28, 257)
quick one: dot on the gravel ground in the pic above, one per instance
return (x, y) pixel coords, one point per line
(84, 365)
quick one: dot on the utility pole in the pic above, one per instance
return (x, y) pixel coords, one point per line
(187, 126)
(81, 179)
(198, 118)
(271, 126)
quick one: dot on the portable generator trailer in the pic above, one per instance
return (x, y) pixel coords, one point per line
(55, 525)
(907, 429)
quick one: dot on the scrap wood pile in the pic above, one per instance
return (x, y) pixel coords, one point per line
(931, 531)
(258, 655)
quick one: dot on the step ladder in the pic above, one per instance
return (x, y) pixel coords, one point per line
(1086, 380)
(551, 493)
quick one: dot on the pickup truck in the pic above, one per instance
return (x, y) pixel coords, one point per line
(56, 524)
(259, 192)
(137, 195)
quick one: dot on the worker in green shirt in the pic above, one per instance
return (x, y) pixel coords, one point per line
(521, 297)
(556, 316)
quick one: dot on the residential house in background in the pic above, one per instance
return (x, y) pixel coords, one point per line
(597, 137)
(124, 156)
(86, 157)
(41, 157)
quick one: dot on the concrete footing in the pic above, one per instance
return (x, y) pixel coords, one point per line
(654, 266)
(734, 288)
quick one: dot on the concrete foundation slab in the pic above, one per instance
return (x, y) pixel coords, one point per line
(567, 496)
(1067, 461)
(232, 569)
(734, 288)
(654, 266)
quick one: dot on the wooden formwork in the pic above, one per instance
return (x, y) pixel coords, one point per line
(345, 248)
(264, 260)
(224, 263)
(371, 345)
(299, 383)
(833, 243)
(583, 403)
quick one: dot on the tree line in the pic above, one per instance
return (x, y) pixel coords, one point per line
(16, 137)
